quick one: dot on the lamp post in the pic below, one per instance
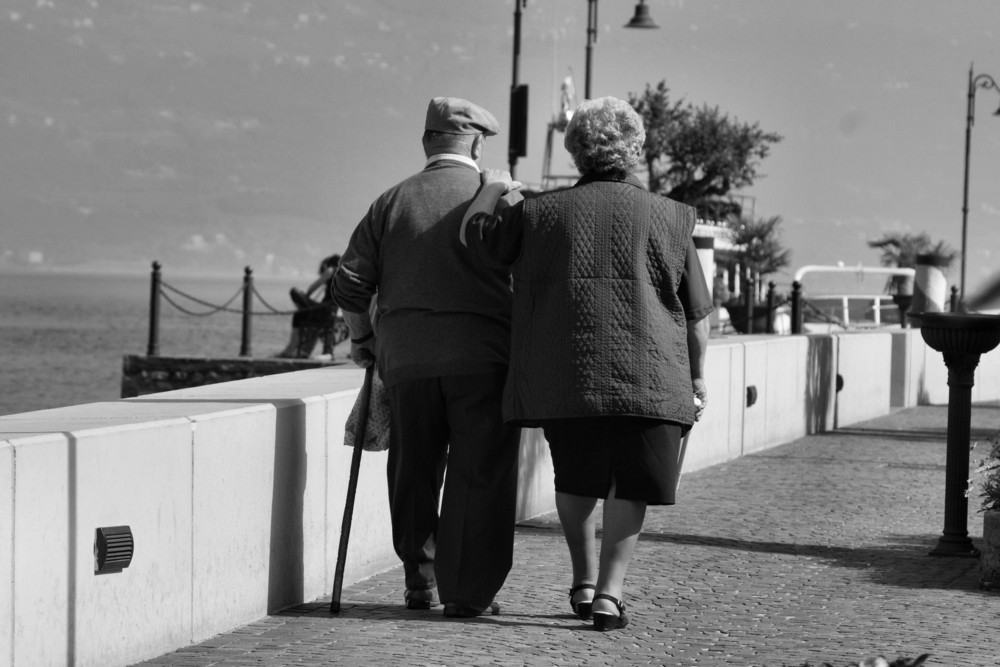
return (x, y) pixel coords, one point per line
(641, 19)
(984, 81)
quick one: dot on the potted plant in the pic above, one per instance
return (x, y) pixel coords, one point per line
(905, 251)
(757, 249)
(988, 483)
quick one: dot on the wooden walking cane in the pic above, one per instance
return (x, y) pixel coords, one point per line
(364, 400)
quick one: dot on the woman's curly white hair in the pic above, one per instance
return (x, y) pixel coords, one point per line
(605, 136)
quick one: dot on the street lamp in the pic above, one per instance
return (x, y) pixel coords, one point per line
(984, 81)
(642, 19)
(519, 93)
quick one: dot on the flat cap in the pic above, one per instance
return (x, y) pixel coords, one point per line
(457, 116)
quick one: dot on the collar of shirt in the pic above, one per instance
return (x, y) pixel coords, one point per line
(452, 156)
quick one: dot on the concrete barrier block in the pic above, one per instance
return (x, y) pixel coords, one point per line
(68, 485)
(755, 386)
(932, 384)
(370, 540)
(46, 551)
(298, 503)
(900, 391)
(820, 383)
(718, 436)
(987, 387)
(785, 388)
(238, 510)
(6, 553)
(864, 362)
(314, 500)
(933, 375)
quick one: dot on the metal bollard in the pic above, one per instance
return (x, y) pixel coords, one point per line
(247, 311)
(153, 348)
(796, 307)
(772, 296)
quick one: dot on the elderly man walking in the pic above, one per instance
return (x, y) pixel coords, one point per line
(441, 345)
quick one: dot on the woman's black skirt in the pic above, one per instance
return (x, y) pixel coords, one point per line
(642, 457)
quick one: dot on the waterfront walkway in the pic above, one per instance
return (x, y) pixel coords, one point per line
(815, 551)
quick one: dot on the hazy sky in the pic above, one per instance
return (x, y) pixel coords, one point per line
(288, 117)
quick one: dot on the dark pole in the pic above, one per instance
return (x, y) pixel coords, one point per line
(247, 311)
(796, 307)
(965, 185)
(591, 40)
(153, 349)
(771, 298)
(518, 4)
(982, 81)
(749, 296)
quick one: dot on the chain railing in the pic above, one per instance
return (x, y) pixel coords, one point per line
(161, 291)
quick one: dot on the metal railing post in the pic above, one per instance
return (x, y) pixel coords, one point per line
(796, 307)
(247, 311)
(771, 298)
(153, 348)
(748, 294)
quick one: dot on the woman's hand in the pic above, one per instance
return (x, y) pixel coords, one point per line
(493, 176)
(700, 397)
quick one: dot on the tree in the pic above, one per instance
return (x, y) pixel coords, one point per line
(663, 120)
(697, 156)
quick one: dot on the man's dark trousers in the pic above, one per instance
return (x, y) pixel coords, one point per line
(454, 420)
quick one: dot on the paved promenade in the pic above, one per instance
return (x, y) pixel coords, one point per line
(815, 551)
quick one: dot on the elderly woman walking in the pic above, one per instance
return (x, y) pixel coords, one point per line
(609, 335)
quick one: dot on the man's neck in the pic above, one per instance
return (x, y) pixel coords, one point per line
(464, 159)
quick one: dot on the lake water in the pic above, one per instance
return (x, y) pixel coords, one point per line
(63, 335)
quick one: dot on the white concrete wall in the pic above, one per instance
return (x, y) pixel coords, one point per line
(718, 437)
(6, 553)
(864, 362)
(235, 492)
(932, 375)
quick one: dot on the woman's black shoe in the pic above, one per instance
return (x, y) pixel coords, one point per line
(603, 621)
(584, 607)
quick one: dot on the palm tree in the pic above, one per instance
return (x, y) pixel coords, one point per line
(901, 250)
(758, 250)
(757, 246)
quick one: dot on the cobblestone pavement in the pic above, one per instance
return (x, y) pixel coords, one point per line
(815, 551)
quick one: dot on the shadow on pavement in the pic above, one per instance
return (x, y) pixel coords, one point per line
(905, 563)
(370, 611)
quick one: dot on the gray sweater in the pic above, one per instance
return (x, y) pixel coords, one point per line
(440, 312)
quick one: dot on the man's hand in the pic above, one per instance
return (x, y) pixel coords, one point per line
(363, 354)
(491, 176)
(700, 397)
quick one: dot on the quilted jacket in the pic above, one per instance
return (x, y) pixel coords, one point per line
(598, 325)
